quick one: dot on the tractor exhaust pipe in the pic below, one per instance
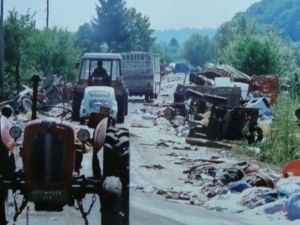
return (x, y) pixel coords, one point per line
(35, 83)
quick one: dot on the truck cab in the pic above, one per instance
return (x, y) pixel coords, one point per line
(112, 64)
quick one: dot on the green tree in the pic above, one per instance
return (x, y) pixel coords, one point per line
(122, 29)
(173, 46)
(239, 27)
(255, 56)
(284, 15)
(55, 52)
(198, 50)
(109, 25)
(84, 39)
(18, 30)
(137, 32)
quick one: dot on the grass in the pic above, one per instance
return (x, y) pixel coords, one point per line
(283, 143)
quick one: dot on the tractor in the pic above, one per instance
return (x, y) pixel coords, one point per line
(112, 64)
(51, 154)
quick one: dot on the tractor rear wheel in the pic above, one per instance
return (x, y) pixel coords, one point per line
(116, 163)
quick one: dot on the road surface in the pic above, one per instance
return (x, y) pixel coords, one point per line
(145, 208)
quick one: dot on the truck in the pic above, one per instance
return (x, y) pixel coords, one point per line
(141, 73)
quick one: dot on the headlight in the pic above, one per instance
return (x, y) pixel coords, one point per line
(83, 135)
(15, 132)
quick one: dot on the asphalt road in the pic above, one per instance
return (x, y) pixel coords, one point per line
(145, 209)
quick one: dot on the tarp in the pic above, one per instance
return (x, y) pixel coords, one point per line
(181, 68)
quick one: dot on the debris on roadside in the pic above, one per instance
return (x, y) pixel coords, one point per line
(156, 167)
(224, 104)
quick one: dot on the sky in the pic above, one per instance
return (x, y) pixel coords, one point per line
(163, 14)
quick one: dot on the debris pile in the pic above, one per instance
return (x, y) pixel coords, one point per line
(236, 105)
(204, 115)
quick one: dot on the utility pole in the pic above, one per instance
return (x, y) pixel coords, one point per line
(2, 53)
(47, 17)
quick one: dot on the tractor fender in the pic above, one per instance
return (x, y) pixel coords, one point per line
(100, 133)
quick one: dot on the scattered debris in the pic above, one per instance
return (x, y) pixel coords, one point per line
(156, 167)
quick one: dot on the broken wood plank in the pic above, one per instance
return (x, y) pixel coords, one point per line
(156, 167)
(199, 135)
(209, 160)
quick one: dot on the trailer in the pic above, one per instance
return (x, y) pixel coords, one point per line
(141, 73)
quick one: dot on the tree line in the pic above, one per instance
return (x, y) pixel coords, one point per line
(116, 28)
(29, 50)
(242, 44)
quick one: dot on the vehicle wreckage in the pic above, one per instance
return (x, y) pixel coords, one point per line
(223, 93)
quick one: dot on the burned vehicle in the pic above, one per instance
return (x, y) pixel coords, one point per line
(52, 153)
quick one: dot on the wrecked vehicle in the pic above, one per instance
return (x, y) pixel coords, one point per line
(233, 100)
(56, 89)
(21, 102)
(51, 175)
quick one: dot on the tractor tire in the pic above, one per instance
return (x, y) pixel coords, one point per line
(116, 162)
(121, 111)
(111, 201)
(26, 105)
(125, 102)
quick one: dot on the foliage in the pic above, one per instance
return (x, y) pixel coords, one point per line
(31, 51)
(122, 29)
(137, 31)
(163, 51)
(252, 56)
(109, 25)
(199, 50)
(163, 37)
(234, 30)
(17, 30)
(59, 55)
(240, 45)
(282, 144)
(84, 39)
(284, 15)
(173, 46)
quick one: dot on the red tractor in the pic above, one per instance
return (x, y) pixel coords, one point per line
(111, 62)
(51, 156)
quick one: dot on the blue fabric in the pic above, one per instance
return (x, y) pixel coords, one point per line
(235, 187)
(293, 207)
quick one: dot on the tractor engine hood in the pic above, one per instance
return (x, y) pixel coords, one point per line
(48, 157)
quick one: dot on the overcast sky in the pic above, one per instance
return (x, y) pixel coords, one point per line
(163, 14)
